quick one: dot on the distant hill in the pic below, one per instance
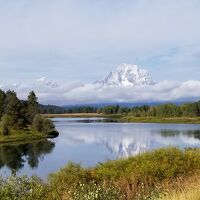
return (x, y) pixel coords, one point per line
(121, 104)
(91, 108)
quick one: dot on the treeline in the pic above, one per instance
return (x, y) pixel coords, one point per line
(81, 109)
(22, 115)
(162, 111)
(51, 109)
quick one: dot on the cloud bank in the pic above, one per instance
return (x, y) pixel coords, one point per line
(77, 93)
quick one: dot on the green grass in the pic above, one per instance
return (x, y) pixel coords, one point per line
(21, 135)
(73, 115)
(140, 177)
(175, 120)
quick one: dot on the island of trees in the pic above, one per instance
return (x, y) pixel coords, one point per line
(20, 120)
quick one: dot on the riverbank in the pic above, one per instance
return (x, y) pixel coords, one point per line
(73, 115)
(175, 120)
(129, 118)
(22, 136)
(160, 174)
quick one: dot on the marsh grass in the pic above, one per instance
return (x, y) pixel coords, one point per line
(183, 189)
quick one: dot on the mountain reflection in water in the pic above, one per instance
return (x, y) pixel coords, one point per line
(89, 141)
(127, 139)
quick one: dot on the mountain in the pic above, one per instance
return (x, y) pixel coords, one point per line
(127, 75)
(45, 82)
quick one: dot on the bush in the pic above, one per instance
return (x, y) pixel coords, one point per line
(23, 188)
(6, 124)
(48, 126)
(94, 191)
(138, 176)
(43, 125)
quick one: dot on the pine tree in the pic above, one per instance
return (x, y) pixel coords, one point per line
(2, 102)
(12, 107)
(33, 106)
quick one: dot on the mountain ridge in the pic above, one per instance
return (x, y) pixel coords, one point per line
(127, 75)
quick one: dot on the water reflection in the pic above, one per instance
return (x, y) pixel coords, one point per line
(59, 121)
(14, 156)
(89, 141)
(127, 139)
(172, 133)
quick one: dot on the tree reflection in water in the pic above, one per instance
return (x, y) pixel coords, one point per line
(172, 133)
(14, 156)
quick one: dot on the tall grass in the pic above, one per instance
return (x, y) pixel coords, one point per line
(138, 177)
(185, 189)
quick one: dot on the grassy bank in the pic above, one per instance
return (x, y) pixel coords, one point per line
(69, 115)
(175, 120)
(22, 135)
(162, 174)
(129, 118)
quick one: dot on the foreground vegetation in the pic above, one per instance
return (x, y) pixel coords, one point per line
(162, 174)
(188, 189)
(20, 120)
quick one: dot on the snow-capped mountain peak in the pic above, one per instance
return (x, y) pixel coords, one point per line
(127, 75)
(44, 81)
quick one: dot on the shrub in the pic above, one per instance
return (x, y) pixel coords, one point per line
(6, 124)
(135, 177)
(94, 191)
(43, 125)
(48, 126)
(23, 188)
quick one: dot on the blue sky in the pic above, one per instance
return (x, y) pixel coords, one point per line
(82, 40)
(76, 42)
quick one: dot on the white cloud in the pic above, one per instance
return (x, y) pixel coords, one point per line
(92, 93)
(74, 35)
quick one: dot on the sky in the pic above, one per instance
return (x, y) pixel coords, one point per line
(75, 42)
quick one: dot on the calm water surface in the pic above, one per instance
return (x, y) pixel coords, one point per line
(93, 140)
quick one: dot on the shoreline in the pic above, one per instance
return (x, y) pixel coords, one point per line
(129, 119)
(23, 137)
(73, 115)
(176, 120)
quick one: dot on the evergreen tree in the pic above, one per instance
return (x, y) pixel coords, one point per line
(2, 101)
(23, 114)
(12, 106)
(32, 106)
